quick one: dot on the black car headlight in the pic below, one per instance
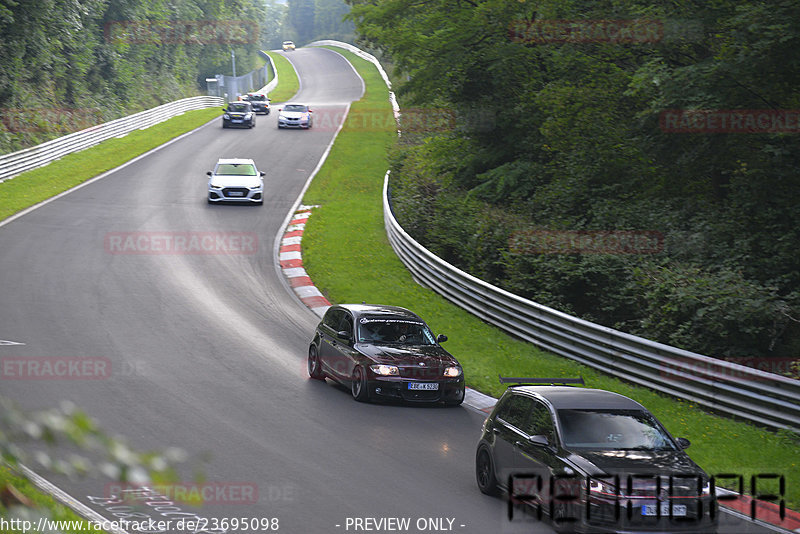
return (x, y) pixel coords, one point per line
(453, 371)
(385, 370)
(602, 487)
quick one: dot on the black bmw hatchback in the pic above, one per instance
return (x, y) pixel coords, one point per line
(384, 353)
(593, 461)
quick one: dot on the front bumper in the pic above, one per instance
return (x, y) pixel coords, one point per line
(397, 388)
(236, 194)
(293, 123)
(607, 518)
(229, 123)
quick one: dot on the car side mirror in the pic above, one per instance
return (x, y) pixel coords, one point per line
(262, 173)
(540, 440)
(683, 443)
(209, 173)
(344, 334)
(280, 109)
(224, 109)
(441, 338)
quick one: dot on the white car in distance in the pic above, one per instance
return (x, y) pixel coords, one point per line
(295, 116)
(235, 180)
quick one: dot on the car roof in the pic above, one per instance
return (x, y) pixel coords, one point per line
(235, 161)
(361, 310)
(566, 398)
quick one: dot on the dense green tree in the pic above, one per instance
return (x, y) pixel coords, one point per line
(68, 64)
(567, 132)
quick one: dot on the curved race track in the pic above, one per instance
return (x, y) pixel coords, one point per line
(208, 351)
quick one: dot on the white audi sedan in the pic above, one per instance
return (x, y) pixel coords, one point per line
(295, 116)
(235, 180)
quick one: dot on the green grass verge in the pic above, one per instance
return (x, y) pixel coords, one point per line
(36, 185)
(43, 504)
(288, 84)
(347, 254)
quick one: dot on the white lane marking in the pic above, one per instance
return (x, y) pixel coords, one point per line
(4, 342)
(68, 500)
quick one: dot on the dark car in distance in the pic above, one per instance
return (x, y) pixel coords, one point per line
(384, 353)
(239, 115)
(591, 460)
(259, 101)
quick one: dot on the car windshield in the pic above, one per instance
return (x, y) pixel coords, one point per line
(394, 331)
(238, 106)
(235, 169)
(294, 107)
(609, 430)
(259, 98)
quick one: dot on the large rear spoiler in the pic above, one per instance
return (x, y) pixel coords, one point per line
(541, 381)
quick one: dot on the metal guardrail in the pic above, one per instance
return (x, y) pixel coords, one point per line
(764, 398)
(30, 158)
(761, 397)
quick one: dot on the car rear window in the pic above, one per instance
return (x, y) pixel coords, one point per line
(236, 169)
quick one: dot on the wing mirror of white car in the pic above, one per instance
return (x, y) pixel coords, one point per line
(209, 173)
(262, 173)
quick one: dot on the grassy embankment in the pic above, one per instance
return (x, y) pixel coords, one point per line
(36, 185)
(288, 84)
(347, 254)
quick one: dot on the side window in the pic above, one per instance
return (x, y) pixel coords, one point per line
(346, 324)
(332, 318)
(515, 410)
(540, 422)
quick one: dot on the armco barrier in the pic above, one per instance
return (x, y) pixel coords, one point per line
(30, 158)
(764, 398)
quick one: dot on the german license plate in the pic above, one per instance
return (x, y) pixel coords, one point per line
(236, 194)
(678, 510)
(237, 120)
(425, 386)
